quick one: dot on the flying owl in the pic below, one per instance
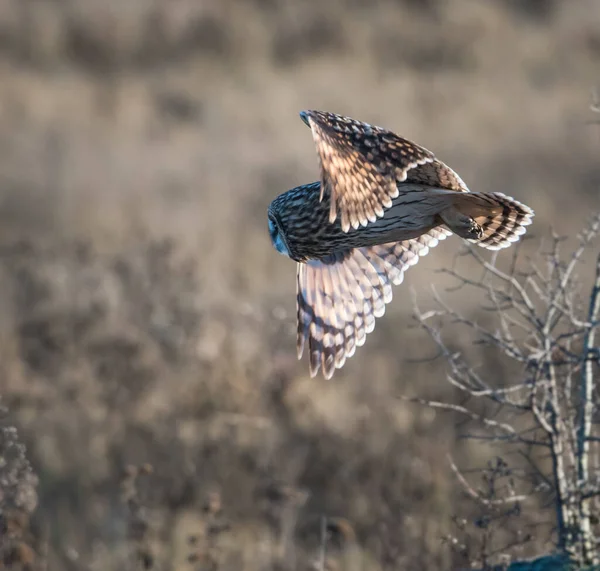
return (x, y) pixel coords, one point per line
(381, 204)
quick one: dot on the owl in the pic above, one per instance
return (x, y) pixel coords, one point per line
(381, 203)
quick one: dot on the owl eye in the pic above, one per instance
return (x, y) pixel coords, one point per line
(273, 230)
(277, 238)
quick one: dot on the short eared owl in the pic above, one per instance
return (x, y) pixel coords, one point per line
(381, 203)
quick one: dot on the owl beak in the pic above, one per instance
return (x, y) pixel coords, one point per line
(304, 117)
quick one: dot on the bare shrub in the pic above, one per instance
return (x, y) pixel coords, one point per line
(542, 421)
(18, 499)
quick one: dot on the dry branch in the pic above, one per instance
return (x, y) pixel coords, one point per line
(545, 325)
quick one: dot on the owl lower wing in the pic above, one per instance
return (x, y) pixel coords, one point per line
(361, 166)
(339, 297)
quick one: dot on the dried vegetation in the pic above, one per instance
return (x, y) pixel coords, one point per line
(146, 325)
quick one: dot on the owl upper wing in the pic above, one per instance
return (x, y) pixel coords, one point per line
(339, 297)
(437, 174)
(361, 165)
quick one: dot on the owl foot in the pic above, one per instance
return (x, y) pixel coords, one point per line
(462, 225)
(475, 230)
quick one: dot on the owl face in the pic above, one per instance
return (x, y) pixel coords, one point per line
(305, 118)
(277, 237)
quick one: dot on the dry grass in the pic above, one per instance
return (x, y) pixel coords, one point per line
(145, 318)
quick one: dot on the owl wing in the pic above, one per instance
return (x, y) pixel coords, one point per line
(361, 165)
(437, 174)
(339, 297)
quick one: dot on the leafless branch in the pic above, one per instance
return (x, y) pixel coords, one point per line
(542, 320)
(477, 495)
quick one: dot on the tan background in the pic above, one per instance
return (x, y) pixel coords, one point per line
(126, 123)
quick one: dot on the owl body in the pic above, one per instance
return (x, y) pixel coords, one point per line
(299, 221)
(382, 202)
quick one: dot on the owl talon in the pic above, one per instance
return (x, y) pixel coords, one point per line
(461, 224)
(476, 230)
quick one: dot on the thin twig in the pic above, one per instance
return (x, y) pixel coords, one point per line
(477, 495)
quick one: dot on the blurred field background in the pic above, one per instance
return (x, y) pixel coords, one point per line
(145, 317)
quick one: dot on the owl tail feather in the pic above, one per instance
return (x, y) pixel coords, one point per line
(499, 219)
(339, 297)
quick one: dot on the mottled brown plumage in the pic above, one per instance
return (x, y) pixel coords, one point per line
(382, 203)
